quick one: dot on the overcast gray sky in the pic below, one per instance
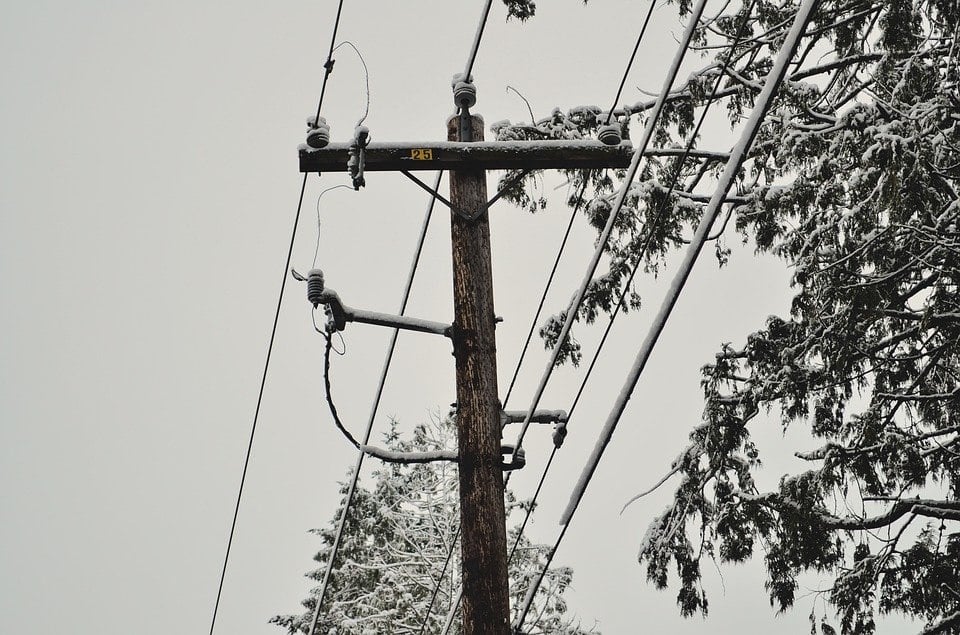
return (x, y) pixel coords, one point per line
(149, 183)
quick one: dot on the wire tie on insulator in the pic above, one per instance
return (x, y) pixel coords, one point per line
(318, 132)
(315, 287)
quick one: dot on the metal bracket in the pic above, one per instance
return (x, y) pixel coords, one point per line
(340, 314)
(358, 156)
(457, 210)
(518, 458)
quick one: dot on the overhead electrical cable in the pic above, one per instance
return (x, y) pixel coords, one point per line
(506, 399)
(575, 305)
(772, 83)
(256, 413)
(472, 57)
(633, 56)
(543, 296)
(737, 156)
(574, 308)
(658, 216)
(328, 65)
(391, 347)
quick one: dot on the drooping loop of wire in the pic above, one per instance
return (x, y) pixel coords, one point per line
(391, 347)
(316, 252)
(366, 77)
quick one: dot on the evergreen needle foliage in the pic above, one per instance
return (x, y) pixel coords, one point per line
(395, 544)
(852, 182)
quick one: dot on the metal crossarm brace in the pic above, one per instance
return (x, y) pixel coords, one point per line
(464, 213)
(341, 314)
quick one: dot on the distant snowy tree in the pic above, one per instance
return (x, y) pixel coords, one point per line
(396, 541)
(853, 183)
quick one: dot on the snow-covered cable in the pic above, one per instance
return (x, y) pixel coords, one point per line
(476, 41)
(737, 156)
(574, 308)
(691, 142)
(256, 413)
(376, 404)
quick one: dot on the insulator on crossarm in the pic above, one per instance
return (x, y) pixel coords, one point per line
(318, 132)
(464, 94)
(608, 131)
(315, 287)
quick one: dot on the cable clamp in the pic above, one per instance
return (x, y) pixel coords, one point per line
(518, 457)
(357, 160)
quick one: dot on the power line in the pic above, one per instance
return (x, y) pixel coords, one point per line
(376, 404)
(506, 399)
(543, 296)
(648, 131)
(574, 307)
(633, 56)
(328, 66)
(472, 57)
(256, 414)
(646, 243)
(737, 156)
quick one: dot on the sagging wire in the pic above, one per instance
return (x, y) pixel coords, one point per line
(366, 77)
(316, 252)
(533, 120)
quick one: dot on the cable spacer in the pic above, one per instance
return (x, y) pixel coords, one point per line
(318, 132)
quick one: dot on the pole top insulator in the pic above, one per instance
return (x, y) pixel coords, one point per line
(609, 134)
(318, 132)
(464, 94)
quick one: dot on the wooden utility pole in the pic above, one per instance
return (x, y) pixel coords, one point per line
(485, 590)
(486, 603)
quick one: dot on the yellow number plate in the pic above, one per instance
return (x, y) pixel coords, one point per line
(421, 154)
